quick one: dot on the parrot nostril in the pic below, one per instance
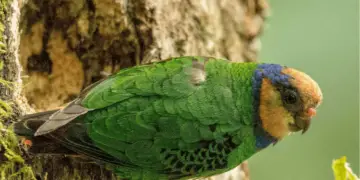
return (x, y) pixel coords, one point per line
(311, 112)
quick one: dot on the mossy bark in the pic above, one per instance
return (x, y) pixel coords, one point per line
(66, 45)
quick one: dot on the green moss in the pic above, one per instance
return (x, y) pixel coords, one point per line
(12, 165)
(3, 10)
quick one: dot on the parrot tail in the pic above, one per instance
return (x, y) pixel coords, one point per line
(27, 127)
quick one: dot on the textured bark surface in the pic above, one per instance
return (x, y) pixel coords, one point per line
(66, 45)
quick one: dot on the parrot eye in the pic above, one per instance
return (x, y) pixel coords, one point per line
(290, 97)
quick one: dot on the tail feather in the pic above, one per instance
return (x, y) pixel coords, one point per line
(28, 124)
(62, 117)
(27, 127)
(71, 139)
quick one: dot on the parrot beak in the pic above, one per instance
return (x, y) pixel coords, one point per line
(303, 122)
(304, 125)
(300, 124)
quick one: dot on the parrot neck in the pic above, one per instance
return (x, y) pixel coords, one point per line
(263, 138)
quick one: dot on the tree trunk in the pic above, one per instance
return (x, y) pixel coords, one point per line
(66, 45)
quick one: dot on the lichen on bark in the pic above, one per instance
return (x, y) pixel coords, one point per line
(66, 45)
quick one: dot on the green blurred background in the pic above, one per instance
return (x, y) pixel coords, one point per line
(319, 37)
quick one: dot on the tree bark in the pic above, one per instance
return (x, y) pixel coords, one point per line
(65, 45)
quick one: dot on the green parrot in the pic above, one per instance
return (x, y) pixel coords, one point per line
(180, 118)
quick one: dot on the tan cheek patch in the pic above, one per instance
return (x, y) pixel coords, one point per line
(273, 115)
(274, 122)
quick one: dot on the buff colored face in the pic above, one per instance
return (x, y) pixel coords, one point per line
(285, 109)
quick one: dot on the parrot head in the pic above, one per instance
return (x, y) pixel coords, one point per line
(288, 99)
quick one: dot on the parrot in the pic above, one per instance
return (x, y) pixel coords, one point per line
(184, 117)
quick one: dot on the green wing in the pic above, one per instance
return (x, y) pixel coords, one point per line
(163, 78)
(171, 78)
